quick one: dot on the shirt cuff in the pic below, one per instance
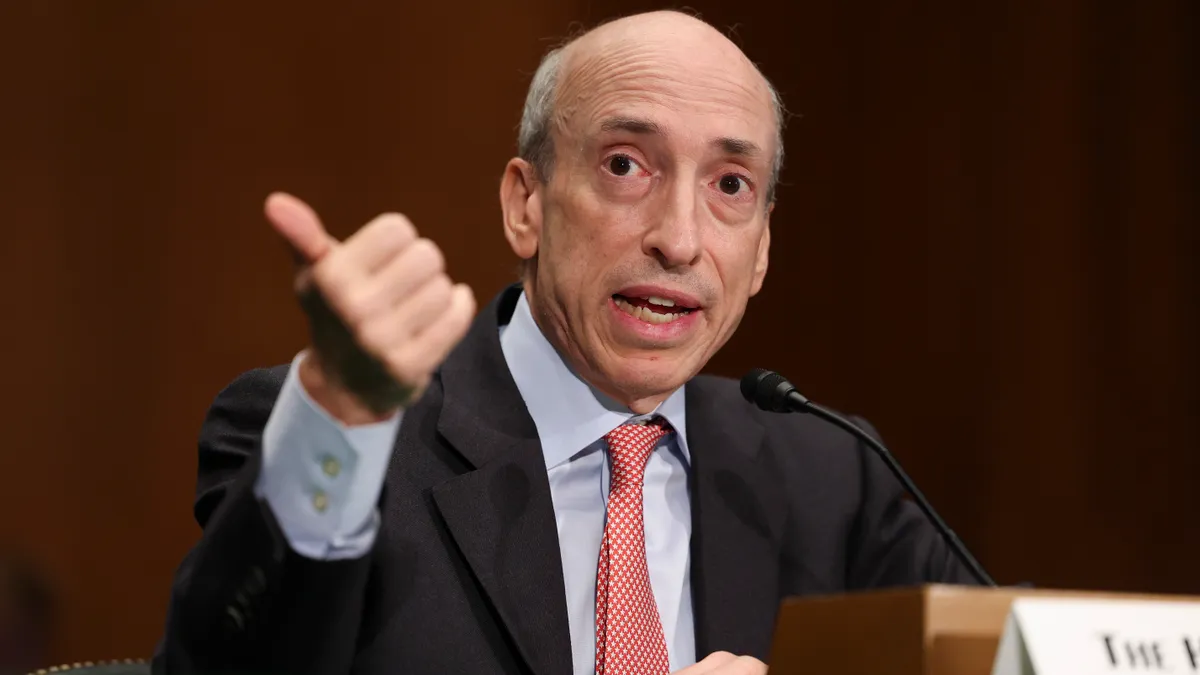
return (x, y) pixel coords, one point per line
(321, 478)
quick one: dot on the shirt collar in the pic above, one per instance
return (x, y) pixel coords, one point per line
(568, 412)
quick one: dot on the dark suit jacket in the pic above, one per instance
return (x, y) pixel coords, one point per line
(465, 575)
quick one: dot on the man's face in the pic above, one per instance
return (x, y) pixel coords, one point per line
(653, 231)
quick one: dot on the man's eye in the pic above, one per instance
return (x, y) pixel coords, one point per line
(732, 183)
(622, 165)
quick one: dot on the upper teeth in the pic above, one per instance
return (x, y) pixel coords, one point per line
(660, 301)
(646, 314)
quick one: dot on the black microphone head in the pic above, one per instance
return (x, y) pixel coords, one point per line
(750, 384)
(767, 390)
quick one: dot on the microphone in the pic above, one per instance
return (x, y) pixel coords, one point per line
(773, 393)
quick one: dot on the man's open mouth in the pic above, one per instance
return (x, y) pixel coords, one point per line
(651, 309)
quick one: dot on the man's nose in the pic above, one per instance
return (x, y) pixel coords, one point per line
(674, 236)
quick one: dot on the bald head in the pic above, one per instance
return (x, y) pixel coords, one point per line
(641, 51)
(670, 33)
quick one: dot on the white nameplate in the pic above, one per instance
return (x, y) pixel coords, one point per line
(1091, 637)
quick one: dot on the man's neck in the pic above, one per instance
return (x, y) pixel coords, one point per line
(640, 403)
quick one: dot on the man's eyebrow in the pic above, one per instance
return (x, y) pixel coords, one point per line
(738, 147)
(631, 125)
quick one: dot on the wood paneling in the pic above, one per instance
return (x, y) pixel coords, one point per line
(985, 242)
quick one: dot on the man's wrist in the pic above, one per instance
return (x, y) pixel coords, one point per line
(327, 392)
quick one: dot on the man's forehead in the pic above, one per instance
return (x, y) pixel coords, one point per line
(662, 68)
(725, 123)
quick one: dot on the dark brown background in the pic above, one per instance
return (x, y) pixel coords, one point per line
(986, 243)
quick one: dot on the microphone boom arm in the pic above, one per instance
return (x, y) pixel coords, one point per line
(772, 392)
(955, 543)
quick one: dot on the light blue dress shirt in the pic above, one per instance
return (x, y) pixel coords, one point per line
(322, 480)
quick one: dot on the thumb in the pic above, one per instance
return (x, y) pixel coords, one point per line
(299, 224)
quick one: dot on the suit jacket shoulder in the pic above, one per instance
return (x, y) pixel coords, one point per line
(849, 523)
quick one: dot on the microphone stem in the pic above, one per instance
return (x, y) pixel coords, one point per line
(951, 538)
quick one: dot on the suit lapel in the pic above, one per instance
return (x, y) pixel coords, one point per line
(738, 513)
(500, 513)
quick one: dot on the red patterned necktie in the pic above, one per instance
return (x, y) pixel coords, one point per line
(629, 634)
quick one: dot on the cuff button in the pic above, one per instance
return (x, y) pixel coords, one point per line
(320, 501)
(331, 467)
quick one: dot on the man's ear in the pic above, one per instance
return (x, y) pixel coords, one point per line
(521, 202)
(764, 248)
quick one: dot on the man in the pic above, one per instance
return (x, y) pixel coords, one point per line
(558, 491)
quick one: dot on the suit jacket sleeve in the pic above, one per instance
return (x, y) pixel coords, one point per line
(243, 601)
(893, 543)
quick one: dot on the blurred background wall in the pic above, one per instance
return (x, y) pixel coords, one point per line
(986, 242)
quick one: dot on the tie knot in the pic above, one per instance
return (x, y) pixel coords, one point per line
(630, 445)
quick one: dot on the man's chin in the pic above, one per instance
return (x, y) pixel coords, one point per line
(648, 381)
